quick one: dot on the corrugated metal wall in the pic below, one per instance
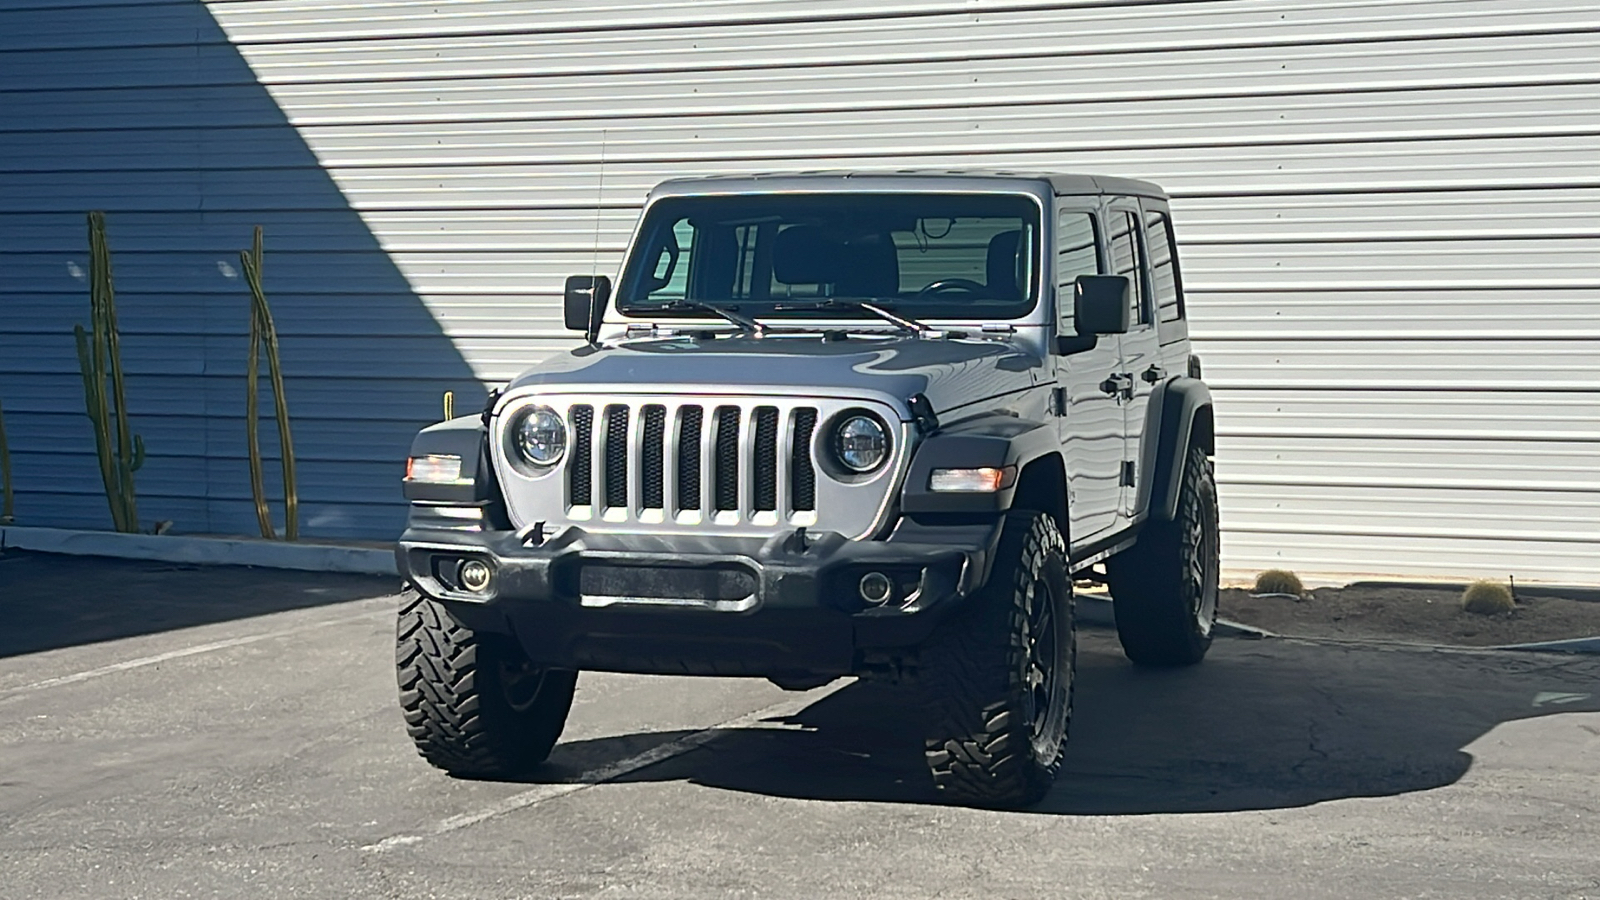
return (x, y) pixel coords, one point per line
(145, 110)
(1387, 210)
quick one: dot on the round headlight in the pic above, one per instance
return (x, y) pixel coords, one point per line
(541, 436)
(860, 443)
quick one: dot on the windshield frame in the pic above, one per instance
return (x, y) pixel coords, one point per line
(638, 258)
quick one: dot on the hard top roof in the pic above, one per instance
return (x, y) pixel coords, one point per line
(911, 179)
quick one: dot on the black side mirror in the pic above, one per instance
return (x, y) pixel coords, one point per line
(585, 302)
(1099, 306)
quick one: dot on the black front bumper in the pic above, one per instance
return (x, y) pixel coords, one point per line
(788, 606)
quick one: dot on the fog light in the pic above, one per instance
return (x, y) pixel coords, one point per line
(876, 588)
(474, 575)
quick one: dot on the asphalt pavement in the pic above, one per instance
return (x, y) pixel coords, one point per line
(171, 731)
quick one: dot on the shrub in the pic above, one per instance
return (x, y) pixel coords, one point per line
(1278, 581)
(1487, 598)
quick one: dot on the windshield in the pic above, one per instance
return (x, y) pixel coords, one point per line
(925, 256)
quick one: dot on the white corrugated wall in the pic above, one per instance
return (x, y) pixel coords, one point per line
(1388, 212)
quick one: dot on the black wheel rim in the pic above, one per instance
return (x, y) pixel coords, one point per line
(1042, 674)
(1205, 564)
(519, 683)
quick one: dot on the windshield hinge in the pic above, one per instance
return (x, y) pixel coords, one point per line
(998, 328)
(638, 331)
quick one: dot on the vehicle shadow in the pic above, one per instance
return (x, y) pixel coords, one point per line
(50, 601)
(1261, 725)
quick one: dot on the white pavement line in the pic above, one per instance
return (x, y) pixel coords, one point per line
(586, 780)
(178, 654)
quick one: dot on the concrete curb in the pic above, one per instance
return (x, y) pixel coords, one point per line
(1095, 609)
(1573, 645)
(205, 551)
(1231, 628)
(1586, 593)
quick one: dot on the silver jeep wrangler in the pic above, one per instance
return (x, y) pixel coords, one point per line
(829, 425)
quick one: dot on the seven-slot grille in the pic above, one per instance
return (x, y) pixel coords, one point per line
(716, 459)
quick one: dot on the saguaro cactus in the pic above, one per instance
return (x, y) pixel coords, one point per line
(120, 451)
(8, 509)
(264, 334)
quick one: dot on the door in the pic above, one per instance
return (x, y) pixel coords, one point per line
(1141, 347)
(1088, 393)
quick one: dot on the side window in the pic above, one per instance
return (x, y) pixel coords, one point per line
(1163, 267)
(1125, 261)
(1077, 251)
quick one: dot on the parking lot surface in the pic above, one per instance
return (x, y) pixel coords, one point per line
(174, 732)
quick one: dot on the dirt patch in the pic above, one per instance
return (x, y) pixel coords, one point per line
(1422, 614)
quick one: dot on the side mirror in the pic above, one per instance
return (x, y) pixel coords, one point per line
(1099, 306)
(585, 302)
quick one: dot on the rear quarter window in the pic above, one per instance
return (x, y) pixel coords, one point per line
(1163, 267)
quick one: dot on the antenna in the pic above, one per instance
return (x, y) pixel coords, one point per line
(599, 199)
(594, 259)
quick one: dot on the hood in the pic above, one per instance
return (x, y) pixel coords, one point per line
(950, 373)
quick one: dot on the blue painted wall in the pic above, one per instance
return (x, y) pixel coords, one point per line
(146, 111)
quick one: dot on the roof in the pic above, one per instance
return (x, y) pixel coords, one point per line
(910, 180)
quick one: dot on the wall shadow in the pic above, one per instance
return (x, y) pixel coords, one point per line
(1260, 725)
(153, 116)
(51, 601)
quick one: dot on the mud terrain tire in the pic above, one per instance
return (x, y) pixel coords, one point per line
(474, 705)
(998, 676)
(1164, 588)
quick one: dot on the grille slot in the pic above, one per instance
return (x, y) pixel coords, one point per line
(726, 475)
(580, 472)
(616, 456)
(690, 422)
(653, 460)
(766, 464)
(802, 475)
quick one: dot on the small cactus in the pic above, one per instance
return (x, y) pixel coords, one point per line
(1487, 598)
(120, 451)
(1278, 581)
(264, 338)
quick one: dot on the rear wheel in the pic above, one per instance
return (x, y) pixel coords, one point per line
(1164, 588)
(474, 704)
(999, 676)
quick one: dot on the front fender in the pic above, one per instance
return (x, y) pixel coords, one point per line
(464, 437)
(994, 441)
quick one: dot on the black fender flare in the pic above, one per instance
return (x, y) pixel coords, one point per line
(465, 437)
(1179, 413)
(992, 440)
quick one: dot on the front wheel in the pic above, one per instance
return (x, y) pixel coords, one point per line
(475, 706)
(998, 676)
(1164, 587)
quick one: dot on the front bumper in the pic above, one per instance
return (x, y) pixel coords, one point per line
(782, 607)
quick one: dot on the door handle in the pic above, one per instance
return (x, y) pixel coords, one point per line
(1154, 374)
(1118, 383)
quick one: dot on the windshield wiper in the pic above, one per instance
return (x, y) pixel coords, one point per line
(748, 325)
(906, 322)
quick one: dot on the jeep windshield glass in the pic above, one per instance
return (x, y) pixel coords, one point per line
(784, 256)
